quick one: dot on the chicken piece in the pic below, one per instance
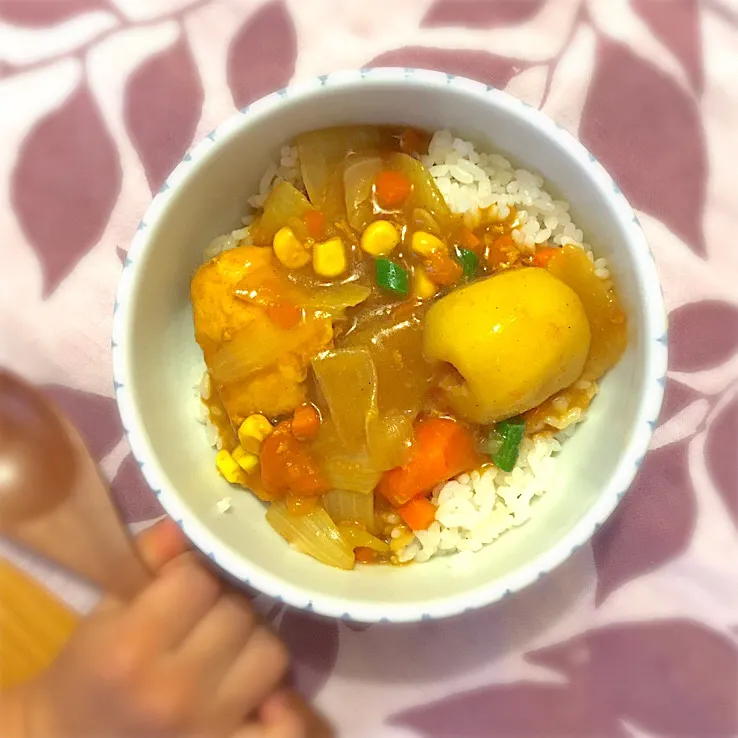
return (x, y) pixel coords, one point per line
(256, 366)
(274, 391)
(218, 312)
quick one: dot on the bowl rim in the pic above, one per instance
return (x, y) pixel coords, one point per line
(649, 404)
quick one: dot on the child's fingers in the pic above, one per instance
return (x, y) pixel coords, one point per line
(157, 546)
(259, 668)
(288, 725)
(217, 640)
(170, 607)
(161, 543)
(286, 715)
(287, 701)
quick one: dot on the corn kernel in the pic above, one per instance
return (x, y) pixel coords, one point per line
(228, 467)
(397, 544)
(426, 243)
(253, 431)
(380, 238)
(329, 258)
(423, 285)
(289, 249)
(247, 461)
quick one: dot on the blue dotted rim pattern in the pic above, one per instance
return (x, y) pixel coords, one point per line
(632, 457)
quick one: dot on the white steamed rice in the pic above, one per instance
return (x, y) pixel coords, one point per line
(473, 509)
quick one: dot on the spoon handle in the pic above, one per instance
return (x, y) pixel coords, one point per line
(85, 537)
(85, 534)
(52, 497)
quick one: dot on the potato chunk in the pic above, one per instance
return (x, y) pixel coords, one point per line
(514, 339)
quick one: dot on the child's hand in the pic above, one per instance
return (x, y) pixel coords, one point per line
(184, 658)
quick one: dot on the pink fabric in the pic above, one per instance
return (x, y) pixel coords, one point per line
(638, 634)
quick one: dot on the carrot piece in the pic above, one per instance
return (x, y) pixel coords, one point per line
(288, 467)
(418, 513)
(502, 251)
(315, 223)
(284, 315)
(442, 269)
(468, 240)
(364, 555)
(442, 449)
(543, 255)
(391, 189)
(305, 422)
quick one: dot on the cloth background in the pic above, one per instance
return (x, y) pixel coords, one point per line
(637, 635)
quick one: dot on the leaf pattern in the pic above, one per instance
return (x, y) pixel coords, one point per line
(164, 99)
(703, 334)
(672, 677)
(723, 10)
(682, 415)
(132, 495)
(65, 185)
(262, 56)
(480, 65)
(46, 12)
(677, 396)
(313, 644)
(475, 14)
(631, 101)
(720, 455)
(652, 525)
(677, 25)
(517, 710)
(94, 416)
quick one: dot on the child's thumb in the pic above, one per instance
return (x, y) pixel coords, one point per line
(156, 547)
(161, 543)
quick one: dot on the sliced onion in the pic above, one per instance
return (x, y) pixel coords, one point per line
(359, 538)
(350, 507)
(389, 438)
(267, 286)
(403, 373)
(348, 381)
(424, 221)
(313, 533)
(343, 470)
(355, 474)
(426, 194)
(321, 153)
(358, 179)
(334, 300)
(284, 202)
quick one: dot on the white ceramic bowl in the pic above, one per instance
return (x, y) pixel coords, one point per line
(154, 352)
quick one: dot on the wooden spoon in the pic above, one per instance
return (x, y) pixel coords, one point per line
(52, 497)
